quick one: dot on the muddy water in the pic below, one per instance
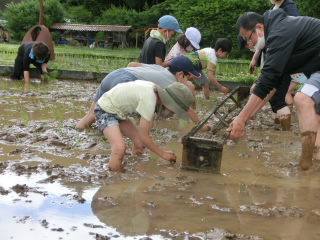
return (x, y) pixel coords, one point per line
(55, 183)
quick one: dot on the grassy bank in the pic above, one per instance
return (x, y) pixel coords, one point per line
(103, 60)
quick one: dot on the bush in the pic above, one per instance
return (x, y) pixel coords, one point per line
(22, 16)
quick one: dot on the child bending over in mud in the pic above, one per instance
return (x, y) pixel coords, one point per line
(207, 59)
(179, 69)
(146, 98)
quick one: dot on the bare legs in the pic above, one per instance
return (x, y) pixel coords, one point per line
(309, 126)
(289, 98)
(88, 119)
(129, 129)
(284, 116)
(118, 147)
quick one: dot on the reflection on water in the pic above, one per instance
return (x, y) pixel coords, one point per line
(247, 197)
(260, 190)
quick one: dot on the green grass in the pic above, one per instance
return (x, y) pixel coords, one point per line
(104, 60)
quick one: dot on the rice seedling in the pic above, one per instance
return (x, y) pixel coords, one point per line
(51, 76)
(103, 60)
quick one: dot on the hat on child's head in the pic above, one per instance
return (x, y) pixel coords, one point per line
(194, 36)
(177, 97)
(183, 64)
(169, 22)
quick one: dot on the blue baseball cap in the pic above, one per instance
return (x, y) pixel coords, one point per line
(169, 22)
(183, 64)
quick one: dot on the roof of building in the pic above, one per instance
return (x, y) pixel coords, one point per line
(90, 28)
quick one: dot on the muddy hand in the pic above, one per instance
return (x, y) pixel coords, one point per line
(224, 90)
(115, 165)
(205, 128)
(237, 129)
(170, 156)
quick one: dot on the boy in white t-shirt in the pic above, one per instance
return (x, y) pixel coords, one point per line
(114, 107)
(206, 58)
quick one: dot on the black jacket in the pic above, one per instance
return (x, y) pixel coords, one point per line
(290, 8)
(292, 46)
(23, 53)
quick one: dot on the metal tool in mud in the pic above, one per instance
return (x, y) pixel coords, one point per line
(204, 154)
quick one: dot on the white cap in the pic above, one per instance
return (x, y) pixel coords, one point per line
(194, 36)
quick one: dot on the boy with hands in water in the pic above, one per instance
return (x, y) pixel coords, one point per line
(146, 98)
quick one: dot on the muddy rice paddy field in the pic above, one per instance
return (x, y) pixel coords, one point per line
(55, 182)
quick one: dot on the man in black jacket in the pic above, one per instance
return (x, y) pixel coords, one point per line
(292, 45)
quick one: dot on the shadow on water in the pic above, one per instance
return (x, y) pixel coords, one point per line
(54, 182)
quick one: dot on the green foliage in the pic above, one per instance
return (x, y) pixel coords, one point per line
(245, 78)
(54, 12)
(80, 14)
(118, 16)
(309, 7)
(215, 19)
(125, 16)
(22, 16)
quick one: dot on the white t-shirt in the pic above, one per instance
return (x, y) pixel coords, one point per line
(208, 58)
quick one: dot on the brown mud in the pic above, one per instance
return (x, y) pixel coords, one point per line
(55, 182)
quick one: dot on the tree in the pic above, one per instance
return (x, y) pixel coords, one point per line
(79, 14)
(215, 18)
(309, 8)
(22, 16)
(119, 16)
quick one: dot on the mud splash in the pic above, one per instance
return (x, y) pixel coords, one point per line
(55, 183)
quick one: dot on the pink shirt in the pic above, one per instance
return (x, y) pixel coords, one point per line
(175, 51)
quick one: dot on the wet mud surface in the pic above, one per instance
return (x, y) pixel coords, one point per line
(55, 182)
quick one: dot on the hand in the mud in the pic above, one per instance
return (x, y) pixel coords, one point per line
(169, 156)
(137, 150)
(115, 166)
(237, 129)
(205, 128)
(224, 90)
